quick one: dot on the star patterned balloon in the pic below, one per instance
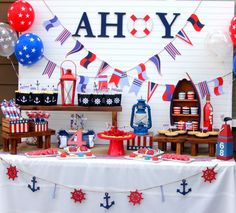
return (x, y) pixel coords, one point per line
(20, 15)
(29, 49)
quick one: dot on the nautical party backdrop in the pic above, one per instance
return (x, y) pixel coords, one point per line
(141, 47)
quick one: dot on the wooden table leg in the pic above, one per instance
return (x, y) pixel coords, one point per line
(47, 141)
(211, 149)
(193, 149)
(178, 148)
(13, 146)
(114, 118)
(40, 141)
(5, 145)
(160, 145)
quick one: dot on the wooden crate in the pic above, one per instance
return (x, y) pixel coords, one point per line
(15, 126)
(140, 141)
(38, 126)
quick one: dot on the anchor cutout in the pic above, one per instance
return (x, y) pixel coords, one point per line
(184, 184)
(33, 188)
(107, 197)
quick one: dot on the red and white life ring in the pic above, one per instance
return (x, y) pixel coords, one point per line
(140, 27)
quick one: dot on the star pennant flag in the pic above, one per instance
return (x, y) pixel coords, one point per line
(78, 46)
(54, 22)
(103, 67)
(136, 86)
(183, 36)
(151, 89)
(171, 49)
(142, 74)
(83, 82)
(64, 35)
(167, 95)
(203, 88)
(102, 82)
(194, 20)
(157, 62)
(48, 70)
(218, 89)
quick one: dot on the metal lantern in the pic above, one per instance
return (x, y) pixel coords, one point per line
(68, 86)
(141, 119)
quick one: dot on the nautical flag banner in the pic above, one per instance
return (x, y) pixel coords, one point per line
(103, 67)
(167, 95)
(64, 35)
(183, 36)
(49, 68)
(136, 86)
(54, 22)
(142, 74)
(88, 59)
(203, 88)
(78, 46)
(157, 62)
(102, 82)
(83, 82)
(151, 89)
(218, 89)
(172, 50)
(124, 81)
(115, 78)
(194, 20)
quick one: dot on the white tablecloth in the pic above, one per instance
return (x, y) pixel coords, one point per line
(117, 177)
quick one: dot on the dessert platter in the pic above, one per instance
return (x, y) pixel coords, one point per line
(51, 152)
(176, 158)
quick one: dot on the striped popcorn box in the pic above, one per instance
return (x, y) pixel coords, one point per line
(195, 125)
(181, 125)
(190, 95)
(177, 110)
(140, 141)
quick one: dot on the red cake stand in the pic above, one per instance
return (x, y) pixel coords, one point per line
(116, 147)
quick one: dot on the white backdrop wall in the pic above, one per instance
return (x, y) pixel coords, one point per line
(126, 53)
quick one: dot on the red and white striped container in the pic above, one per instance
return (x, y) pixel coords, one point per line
(177, 110)
(190, 95)
(195, 125)
(181, 125)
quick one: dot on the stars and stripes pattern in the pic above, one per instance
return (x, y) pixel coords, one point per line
(48, 70)
(203, 88)
(183, 36)
(54, 22)
(64, 35)
(218, 88)
(136, 86)
(172, 50)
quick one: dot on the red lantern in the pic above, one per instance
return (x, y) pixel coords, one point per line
(232, 30)
(68, 86)
(20, 16)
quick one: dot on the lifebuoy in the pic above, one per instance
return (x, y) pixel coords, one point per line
(144, 27)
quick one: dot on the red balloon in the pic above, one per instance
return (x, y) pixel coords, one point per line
(20, 15)
(232, 30)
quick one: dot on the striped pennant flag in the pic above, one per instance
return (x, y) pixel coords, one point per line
(171, 49)
(102, 82)
(83, 82)
(142, 74)
(157, 62)
(167, 95)
(103, 67)
(183, 36)
(151, 89)
(78, 46)
(203, 88)
(49, 68)
(136, 86)
(54, 22)
(64, 35)
(218, 89)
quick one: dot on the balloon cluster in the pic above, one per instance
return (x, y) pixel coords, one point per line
(232, 30)
(29, 47)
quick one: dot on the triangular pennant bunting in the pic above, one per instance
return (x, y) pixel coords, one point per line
(183, 36)
(172, 50)
(124, 81)
(115, 78)
(218, 89)
(88, 59)
(64, 35)
(54, 22)
(49, 68)
(103, 67)
(167, 95)
(83, 82)
(157, 62)
(151, 89)
(203, 88)
(136, 86)
(78, 46)
(194, 20)
(142, 74)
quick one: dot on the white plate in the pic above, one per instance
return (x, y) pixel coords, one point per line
(40, 156)
(179, 161)
(159, 152)
(143, 160)
(78, 151)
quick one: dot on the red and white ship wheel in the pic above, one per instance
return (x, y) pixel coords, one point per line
(140, 27)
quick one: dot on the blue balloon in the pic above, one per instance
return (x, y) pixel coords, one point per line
(29, 49)
(234, 66)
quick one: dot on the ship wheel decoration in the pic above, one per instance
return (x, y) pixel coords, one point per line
(12, 172)
(78, 195)
(209, 175)
(135, 197)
